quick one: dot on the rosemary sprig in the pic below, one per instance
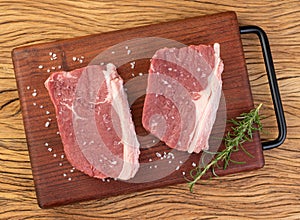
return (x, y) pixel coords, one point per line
(243, 129)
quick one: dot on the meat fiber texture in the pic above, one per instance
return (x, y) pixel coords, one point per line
(94, 121)
(183, 95)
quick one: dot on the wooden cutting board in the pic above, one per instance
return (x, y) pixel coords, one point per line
(56, 182)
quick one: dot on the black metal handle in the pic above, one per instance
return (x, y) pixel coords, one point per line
(264, 42)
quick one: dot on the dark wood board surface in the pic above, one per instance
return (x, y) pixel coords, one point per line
(55, 181)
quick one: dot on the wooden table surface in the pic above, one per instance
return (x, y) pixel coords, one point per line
(272, 192)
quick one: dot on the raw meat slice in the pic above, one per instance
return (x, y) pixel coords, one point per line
(183, 95)
(94, 121)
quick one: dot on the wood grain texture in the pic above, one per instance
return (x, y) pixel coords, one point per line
(270, 193)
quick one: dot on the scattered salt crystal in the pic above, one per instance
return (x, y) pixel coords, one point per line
(50, 53)
(126, 47)
(72, 171)
(41, 106)
(48, 70)
(103, 180)
(60, 164)
(101, 63)
(47, 124)
(150, 159)
(49, 119)
(170, 161)
(183, 173)
(132, 64)
(40, 66)
(64, 174)
(128, 52)
(46, 144)
(194, 164)
(54, 54)
(62, 156)
(108, 180)
(150, 167)
(114, 162)
(58, 132)
(155, 166)
(80, 61)
(177, 168)
(73, 168)
(34, 94)
(170, 69)
(47, 112)
(198, 69)
(69, 178)
(153, 141)
(54, 155)
(74, 59)
(53, 67)
(158, 154)
(34, 104)
(115, 179)
(132, 74)
(82, 57)
(59, 67)
(140, 74)
(28, 87)
(50, 149)
(113, 52)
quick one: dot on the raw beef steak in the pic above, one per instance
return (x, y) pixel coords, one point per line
(94, 121)
(183, 95)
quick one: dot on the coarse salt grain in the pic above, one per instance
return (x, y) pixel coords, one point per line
(113, 52)
(34, 104)
(50, 53)
(64, 174)
(41, 106)
(74, 59)
(50, 149)
(140, 74)
(158, 154)
(69, 178)
(194, 164)
(198, 69)
(40, 66)
(34, 94)
(183, 173)
(128, 52)
(150, 159)
(62, 156)
(47, 112)
(177, 168)
(71, 170)
(59, 67)
(132, 74)
(54, 155)
(28, 87)
(46, 144)
(126, 47)
(132, 64)
(60, 164)
(48, 70)
(47, 124)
